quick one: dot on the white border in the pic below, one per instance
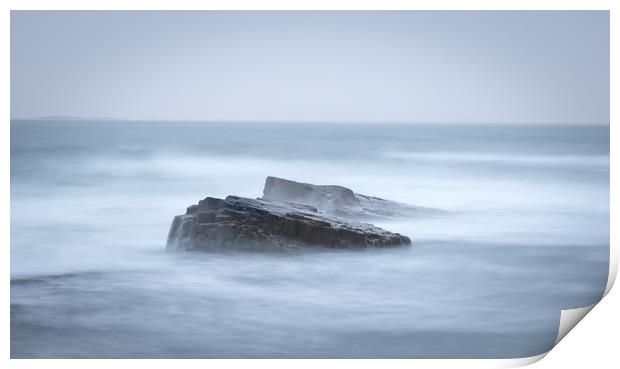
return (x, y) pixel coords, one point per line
(569, 354)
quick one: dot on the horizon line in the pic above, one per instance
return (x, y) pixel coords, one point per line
(112, 119)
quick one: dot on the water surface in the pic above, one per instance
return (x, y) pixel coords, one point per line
(526, 234)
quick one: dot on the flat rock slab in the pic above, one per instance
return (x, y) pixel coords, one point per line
(339, 200)
(238, 223)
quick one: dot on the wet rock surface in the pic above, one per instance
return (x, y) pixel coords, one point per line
(339, 200)
(238, 223)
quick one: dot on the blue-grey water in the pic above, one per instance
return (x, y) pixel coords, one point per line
(525, 235)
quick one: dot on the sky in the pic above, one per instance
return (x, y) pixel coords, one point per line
(416, 66)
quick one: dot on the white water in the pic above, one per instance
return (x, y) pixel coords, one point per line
(526, 235)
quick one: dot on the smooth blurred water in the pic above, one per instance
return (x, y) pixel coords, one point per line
(526, 234)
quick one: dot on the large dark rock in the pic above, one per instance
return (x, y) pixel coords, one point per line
(338, 200)
(257, 224)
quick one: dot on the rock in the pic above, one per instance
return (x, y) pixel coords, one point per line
(238, 223)
(339, 201)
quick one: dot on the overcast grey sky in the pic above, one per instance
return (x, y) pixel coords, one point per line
(530, 67)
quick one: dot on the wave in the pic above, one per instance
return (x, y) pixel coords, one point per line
(42, 278)
(510, 159)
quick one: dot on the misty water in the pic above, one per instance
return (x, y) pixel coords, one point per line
(525, 234)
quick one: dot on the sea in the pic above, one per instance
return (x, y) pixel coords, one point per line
(524, 234)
